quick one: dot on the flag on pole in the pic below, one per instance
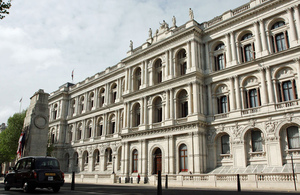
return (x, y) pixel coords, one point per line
(21, 145)
(72, 75)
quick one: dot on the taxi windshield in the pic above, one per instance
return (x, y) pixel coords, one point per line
(45, 163)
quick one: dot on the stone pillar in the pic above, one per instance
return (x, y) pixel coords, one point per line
(171, 155)
(197, 155)
(189, 60)
(257, 40)
(146, 74)
(144, 158)
(167, 105)
(233, 49)
(292, 27)
(237, 93)
(297, 62)
(239, 155)
(232, 99)
(172, 68)
(208, 67)
(140, 156)
(36, 125)
(145, 111)
(297, 18)
(190, 99)
(196, 100)
(194, 63)
(167, 65)
(264, 95)
(269, 83)
(210, 109)
(126, 159)
(171, 104)
(107, 96)
(273, 152)
(228, 52)
(126, 79)
(263, 38)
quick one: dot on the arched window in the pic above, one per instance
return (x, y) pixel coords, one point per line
(287, 90)
(112, 125)
(81, 104)
(219, 56)
(55, 111)
(97, 156)
(79, 130)
(181, 62)
(223, 104)
(225, 144)
(252, 98)
(158, 71)
(256, 141)
(114, 93)
(280, 38)
(101, 97)
(91, 101)
(182, 104)
(70, 134)
(135, 161)
(89, 130)
(183, 156)
(73, 103)
(100, 128)
(108, 154)
(136, 115)
(137, 79)
(293, 137)
(86, 157)
(52, 137)
(157, 117)
(247, 47)
(76, 159)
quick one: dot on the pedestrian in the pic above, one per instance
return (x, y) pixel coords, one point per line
(139, 178)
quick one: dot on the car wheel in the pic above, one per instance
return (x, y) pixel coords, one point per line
(27, 187)
(56, 189)
(6, 187)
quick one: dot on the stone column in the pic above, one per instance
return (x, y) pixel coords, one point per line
(194, 63)
(144, 158)
(228, 52)
(189, 60)
(196, 100)
(146, 74)
(167, 156)
(232, 99)
(167, 111)
(208, 67)
(150, 115)
(172, 72)
(233, 48)
(263, 38)
(197, 155)
(145, 111)
(171, 155)
(190, 99)
(107, 96)
(269, 83)
(150, 75)
(292, 26)
(239, 154)
(237, 93)
(210, 109)
(167, 65)
(126, 79)
(140, 156)
(297, 18)
(263, 87)
(297, 62)
(126, 159)
(257, 40)
(171, 104)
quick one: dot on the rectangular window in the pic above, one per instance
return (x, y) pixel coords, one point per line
(293, 137)
(256, 141)
(225, 144)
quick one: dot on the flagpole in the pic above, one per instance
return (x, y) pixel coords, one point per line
(20, 105)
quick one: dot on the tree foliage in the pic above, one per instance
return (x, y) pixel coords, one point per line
(10, 136)
(4, 6)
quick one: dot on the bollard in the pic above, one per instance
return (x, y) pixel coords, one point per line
(131, 180)
(159, 190)
(119, 179)
(166, 182)
(73, 181)
(238, 183)
(145, 180)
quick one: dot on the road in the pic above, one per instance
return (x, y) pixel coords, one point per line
(129, 189)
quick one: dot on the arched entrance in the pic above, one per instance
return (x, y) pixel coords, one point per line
(157, 161)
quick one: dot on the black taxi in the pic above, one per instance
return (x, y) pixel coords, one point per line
(35, 172)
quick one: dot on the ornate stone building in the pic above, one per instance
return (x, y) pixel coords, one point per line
(218, 96)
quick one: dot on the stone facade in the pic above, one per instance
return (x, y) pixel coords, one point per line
(197, 98)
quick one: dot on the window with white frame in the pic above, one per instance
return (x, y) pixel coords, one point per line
(247, 47)
(181, 62)
(157, 108)
(182, 104)
(137, 79)
(279, 36)
(293, 137)
(158, 71)
(219, 57)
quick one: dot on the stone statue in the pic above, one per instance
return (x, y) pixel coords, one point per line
(174, 21)
(150, 33)
(191, 14)
(164, 25)
(131, 45)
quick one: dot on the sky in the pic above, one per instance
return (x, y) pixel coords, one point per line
(42, 41)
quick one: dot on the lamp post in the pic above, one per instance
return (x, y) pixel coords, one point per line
(114, 165)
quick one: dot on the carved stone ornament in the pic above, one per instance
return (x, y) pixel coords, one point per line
(270, 126)
(236, 130)
(220, 128)
(210, 134)
(289, 117)
(252, 122)
(40, 121)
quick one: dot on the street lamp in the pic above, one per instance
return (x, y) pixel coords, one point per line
(114, 165)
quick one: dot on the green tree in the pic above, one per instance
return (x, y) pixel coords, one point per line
(4, 6)
(9, 138)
